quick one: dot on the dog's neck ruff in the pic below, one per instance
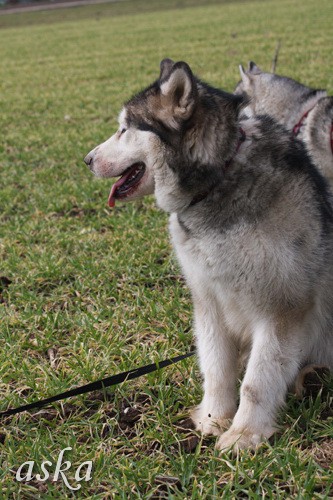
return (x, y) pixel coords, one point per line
(242, 138)
(299, 125)
(201, 196)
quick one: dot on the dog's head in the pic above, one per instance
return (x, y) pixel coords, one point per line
(256, 86)
(278, 96)
(172, 140)
(148, 122)
(247, 81)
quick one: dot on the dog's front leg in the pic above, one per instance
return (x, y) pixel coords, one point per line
(218, 362)
(272, 367)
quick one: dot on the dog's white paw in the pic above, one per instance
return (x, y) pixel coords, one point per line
(207, 423)
(241, 439)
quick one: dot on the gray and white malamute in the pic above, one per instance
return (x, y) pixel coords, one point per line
(252, 225)
(306, 112)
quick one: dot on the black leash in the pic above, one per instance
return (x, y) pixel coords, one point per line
(99, 384)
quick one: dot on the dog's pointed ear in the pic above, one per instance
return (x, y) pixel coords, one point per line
(254, 69)
(180, 91)
(244, 76)
(165, 68)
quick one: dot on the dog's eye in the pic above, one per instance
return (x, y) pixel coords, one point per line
(122, 131)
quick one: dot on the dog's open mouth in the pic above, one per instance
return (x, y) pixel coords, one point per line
(127, 183)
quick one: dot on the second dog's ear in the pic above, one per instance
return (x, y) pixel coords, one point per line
(254, 69)
(244, 76)
(179, 90)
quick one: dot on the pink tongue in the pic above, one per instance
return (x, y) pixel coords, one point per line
(112, 198)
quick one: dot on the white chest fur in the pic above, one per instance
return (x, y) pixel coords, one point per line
(213, 279)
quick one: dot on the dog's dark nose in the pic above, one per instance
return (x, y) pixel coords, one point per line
(88, 159)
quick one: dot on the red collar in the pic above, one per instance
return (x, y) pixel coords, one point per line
(298, 126)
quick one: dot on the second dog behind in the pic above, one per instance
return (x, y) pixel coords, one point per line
(307, 113)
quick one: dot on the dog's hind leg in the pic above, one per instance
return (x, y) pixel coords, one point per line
(218, 362)
(272, 367)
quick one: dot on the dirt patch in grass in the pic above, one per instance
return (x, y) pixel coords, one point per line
(4, 283)
(314, 381)
(323, 453)
(75, 211)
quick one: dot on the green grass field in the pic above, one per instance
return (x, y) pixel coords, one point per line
(86, 292)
